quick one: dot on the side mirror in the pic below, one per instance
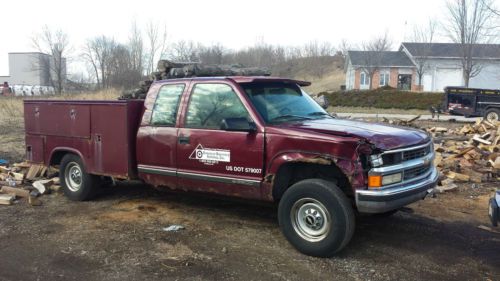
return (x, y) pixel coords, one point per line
(238, 125)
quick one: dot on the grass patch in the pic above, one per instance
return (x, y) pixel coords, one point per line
(385, 99)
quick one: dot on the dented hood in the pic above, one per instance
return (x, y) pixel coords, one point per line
(383, 136)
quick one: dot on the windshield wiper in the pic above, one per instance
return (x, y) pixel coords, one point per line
(290, 116)
(319, 113)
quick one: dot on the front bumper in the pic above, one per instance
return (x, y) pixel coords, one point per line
(380, 201)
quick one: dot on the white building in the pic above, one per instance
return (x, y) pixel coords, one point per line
(31, 68)
(443, 65)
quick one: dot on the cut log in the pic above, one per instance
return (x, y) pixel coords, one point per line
(17, 176)
(457, 176)
(34, 201)
(42, 185)
(478, 139)
(15, 191)
(7, 199)
(34, 171)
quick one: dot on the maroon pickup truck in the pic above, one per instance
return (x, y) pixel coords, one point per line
(258, 138)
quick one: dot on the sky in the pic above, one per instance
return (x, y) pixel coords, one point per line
(235, 24)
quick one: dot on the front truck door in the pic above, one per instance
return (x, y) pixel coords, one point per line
(214, 160)
(157, 135)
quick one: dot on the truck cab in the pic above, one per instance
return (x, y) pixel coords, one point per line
(260, 138)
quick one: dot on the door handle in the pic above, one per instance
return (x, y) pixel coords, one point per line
(184, 139)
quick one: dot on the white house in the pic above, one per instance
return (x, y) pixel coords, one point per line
(443, 65)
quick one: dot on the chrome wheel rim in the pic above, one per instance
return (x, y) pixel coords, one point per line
(492, 116)
(73, 176)
(310, 219)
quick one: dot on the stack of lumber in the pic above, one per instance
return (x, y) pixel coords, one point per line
(25, 181)
(168, 70)
(468, 154)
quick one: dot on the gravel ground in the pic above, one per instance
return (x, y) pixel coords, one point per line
(119, 236)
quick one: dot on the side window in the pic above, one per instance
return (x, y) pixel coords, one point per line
(166, 105)
(210, 103)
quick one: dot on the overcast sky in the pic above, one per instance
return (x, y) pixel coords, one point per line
(235, 24)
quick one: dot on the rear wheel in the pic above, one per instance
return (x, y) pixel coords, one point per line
(316, 217)
(77, 184)
(492, 115)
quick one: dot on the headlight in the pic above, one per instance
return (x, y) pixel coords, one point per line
(390, 179)
(376, 181)
(376, 160)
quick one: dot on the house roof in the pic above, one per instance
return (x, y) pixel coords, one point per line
(451, 50)
(387, 58)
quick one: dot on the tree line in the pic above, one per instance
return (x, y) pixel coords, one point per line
(111, 63)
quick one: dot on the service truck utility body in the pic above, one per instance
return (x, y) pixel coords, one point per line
(317, 167)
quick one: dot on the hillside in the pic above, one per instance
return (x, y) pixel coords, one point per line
(325, 73)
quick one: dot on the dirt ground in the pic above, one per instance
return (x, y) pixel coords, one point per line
(119, 236)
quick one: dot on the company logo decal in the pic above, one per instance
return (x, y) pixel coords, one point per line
(210, 156)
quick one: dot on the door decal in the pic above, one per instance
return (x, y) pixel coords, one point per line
(210, 156)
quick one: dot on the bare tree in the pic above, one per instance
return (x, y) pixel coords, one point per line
(374, 51)
(56, 44)
(424, 36)
(98, 52)
(157, 40)
(470, 22)
(90, 58)
(136, 48)
(185, 51)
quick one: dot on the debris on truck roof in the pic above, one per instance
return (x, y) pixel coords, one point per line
(170, 70)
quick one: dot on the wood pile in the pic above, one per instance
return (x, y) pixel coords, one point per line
(25, 181)
(169, 70)
(403, 122)
(467, 154)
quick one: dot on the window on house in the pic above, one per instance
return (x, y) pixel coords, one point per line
(364, 79)
(384, 79)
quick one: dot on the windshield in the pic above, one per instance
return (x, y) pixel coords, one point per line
(281, 102)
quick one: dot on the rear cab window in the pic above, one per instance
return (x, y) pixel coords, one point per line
(166, 106)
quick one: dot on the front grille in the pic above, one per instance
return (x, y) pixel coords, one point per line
(415, 172)
(417, 153)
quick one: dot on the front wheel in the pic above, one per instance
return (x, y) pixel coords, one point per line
(77, 184)
(316, 217)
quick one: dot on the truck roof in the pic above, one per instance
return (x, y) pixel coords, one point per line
(243, 79)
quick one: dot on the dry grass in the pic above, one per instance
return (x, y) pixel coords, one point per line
(12, 122)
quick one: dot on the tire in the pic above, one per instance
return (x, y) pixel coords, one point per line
(76, 183)
(316, 217)
(492, 114)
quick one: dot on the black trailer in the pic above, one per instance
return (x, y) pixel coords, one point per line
(471, 102)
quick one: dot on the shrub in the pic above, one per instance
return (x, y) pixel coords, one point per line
(385, 98)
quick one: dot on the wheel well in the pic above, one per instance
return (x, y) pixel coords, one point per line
(290, 173)
(58, 156)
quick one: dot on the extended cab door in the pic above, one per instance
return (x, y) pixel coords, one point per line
(157, 135)
(214, 160)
